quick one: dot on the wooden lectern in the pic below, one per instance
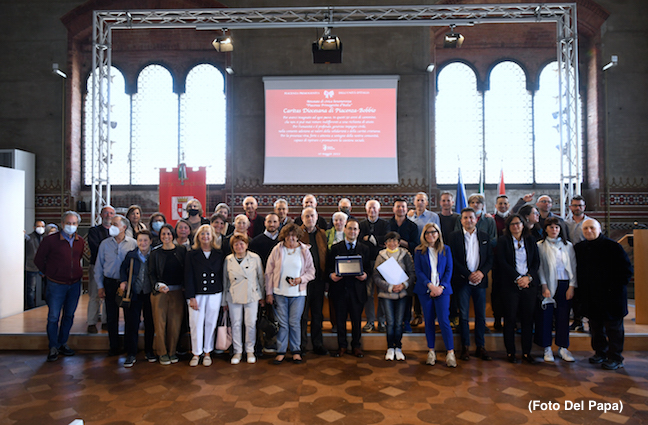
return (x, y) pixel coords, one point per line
(640, 246)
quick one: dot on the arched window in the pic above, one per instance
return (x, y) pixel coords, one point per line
(155, 125)
(202, 122)
(508, 138)
(119, 130)
(167, 128)
(458, 125)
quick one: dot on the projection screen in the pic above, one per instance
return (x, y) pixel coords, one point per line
(331, 130)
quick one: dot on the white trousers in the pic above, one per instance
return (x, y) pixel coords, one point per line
(202, 323)
(237, 314)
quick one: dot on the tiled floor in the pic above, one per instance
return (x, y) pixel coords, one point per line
(322, 390)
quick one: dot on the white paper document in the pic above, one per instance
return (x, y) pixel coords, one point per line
(392, 272)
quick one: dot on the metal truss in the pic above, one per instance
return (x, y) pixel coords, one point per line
(564, 14)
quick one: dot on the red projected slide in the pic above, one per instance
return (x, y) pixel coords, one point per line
(336, 123)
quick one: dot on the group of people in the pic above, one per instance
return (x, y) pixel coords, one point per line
(423, 267)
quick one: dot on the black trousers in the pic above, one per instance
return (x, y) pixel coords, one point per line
(112, 313)
(607, 337)
(132, 314)
(347, 303)
(314, 304)
(519, 304)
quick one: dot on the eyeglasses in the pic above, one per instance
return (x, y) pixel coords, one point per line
(516, 223)
(431, 232)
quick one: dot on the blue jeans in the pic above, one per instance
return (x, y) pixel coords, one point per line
(394, 312)
(289, 312)
(464, 293)
(61, 297)
(32, 280)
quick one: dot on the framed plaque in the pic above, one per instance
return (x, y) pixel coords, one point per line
(348, 265)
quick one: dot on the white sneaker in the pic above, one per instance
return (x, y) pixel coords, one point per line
(236, 358)
(451, 360)
(431, 358)
(390, 354)
(250, 358)
(399, 354)
(566, 355)
(548, 355)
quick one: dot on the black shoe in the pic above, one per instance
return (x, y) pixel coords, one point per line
(339, 353)
(358, 353)
(152, 358)
(381, 327)
(577, 324)
(498, 327)
(512, 358)
(320, 351)
(597, 359)
(369, 327)
(612, 364)
(487, 330)
(482, 354)
(104, 326)
(529, 359)
(53, 354)
(92, 329)
(416, 321)
(130, 361)
(65, 350)
(465, 355)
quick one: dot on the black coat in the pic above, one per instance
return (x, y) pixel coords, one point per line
(349, 282)
(381, 227)
(505, 257)
(460, 271)
(203, 275)
(603, 270)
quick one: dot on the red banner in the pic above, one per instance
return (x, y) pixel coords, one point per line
(176, 192)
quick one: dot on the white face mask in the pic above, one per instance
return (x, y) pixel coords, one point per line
(113, 231)
(40, 230)
(70, 229)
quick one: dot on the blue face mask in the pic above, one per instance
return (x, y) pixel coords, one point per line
(157, 225)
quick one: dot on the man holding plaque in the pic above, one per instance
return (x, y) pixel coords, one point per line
(347, 268)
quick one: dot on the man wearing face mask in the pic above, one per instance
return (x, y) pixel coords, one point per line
(96, 235)
(32, 275)
(112, 252)
(59, 259)
(344, 205)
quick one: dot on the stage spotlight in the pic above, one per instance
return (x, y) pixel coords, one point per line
(223, 44)
(453, 39)
(327, 49)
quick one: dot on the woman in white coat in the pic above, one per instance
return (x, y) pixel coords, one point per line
(557, 274)
(243, 289)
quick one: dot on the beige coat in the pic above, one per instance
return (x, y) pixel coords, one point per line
(243, 283)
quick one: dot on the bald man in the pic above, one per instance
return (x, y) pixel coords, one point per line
(603, 271)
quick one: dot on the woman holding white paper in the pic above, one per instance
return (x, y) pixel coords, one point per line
(393, 287)
(433, 263)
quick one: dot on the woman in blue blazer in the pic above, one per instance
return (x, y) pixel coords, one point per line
(433, 289)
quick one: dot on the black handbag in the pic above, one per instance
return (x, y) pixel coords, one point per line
(123, 298)
(267, 323)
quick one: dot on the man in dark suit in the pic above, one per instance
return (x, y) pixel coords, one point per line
(472, 259)
(349, 293)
